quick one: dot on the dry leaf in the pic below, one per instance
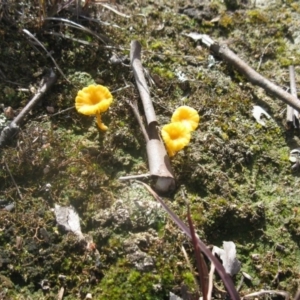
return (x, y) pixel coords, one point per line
(68, 218)
(228, 256)
(257, 112)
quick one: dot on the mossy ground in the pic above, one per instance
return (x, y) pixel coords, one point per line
(235, 173)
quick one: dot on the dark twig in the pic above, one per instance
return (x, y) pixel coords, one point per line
(230, 57)
(13, 127)
(201, 265)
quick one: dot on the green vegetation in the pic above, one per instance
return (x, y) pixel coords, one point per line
(235, 173)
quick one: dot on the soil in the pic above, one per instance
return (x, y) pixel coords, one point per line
(235, 173)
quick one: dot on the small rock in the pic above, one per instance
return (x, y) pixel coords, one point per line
(255, 256)
(9, 113)
(50, 109)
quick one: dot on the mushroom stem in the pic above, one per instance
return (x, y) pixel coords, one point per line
(100, 124)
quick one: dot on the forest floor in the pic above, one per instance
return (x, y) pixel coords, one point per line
(235, 173)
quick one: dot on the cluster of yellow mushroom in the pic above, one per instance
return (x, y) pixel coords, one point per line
(177, 134)
(94, 100)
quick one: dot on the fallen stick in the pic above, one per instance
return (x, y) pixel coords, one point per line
(291, 113)
(159, 162)
(13, 128)
(255, 78)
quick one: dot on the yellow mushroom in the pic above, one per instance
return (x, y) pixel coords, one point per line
(176, 136)
(188, 116)
(93, 100)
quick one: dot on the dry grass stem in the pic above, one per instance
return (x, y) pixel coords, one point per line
(210, 281)
(271, 292)
(131, 177)
(190, 267)
(135, 110)
(13, 180)
(48, 53)
(114, 10)
(72, 24)
(262, 55)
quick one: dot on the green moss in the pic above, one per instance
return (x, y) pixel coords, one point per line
(163, 72)
(226, 20)
(295, 6)
(257, 16)
(285, 62)
(189, 280)
(158, 45)
(236, 173)
(122, 283)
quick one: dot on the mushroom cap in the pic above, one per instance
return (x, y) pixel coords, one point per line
(176, 136)
(188, 116)
(93, 100)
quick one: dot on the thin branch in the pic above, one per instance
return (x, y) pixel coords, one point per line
(46, 84)
(62, 111)
(255, 78)
(121, 88)
(13, 127)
